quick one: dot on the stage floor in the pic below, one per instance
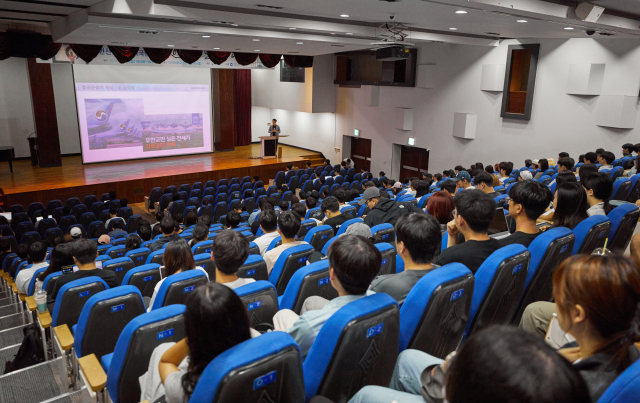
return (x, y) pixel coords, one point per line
(31, 183)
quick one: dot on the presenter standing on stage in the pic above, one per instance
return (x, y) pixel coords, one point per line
(274, 130)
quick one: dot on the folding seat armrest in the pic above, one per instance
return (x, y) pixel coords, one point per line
(31, 303)
(65, 338)
(93, 372)
(23, 297)
(45, 319)
(106, 361)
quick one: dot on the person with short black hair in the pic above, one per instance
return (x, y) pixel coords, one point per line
(606, 160)
(353, 263)
(190, 219)
(565, 164)
(590, 158)
(383, 210)
(288, 227)
(124, 202)
(288, 168)
(418, 237)
(144, 232)
(200, 233)
(205, 219)
(113, 215)
(117, 228)
(341, 195)
(229, 251)
(505, 170)
(586, 170)
(233, 219)
(159, 217)
(474, 213)
(132, 242)
(449, 186)
(332, 215)
(84, 253)
(483, 181)
(528, 200)
(168, 229)
(463, 181)
(628, 149)
(307, 164)
(563, 155)
(599, 188)
(311, 202)
(269, 224)
(599, 151)
(422, 188)
(37, 254)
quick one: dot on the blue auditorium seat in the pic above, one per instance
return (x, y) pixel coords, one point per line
(138, 256)
(120, 266)
(385, 231)
(32, 283)
(624, 219)
(346, 224)
(116, 251)
(144, 278)
(254, 267)
(289, 261)
(310, 280)
(626, 388)
(71, 298)
(591, 234)
(261, 301)
(175, 288)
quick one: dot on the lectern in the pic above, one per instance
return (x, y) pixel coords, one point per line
(268, 147)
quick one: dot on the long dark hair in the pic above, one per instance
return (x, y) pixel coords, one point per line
(60, 256)
(177, 257)
(215, 320)
(200, 233)
(543, 164)
(132, 242)
(602, 187)
(571, 207)
(608, 289)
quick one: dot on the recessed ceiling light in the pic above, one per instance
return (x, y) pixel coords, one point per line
(461, 12)
(292, 28)
(299, 43)
(171, 46)
(568, 28)
(333, 33)
(206, 36)
(216, 48)
(234, 25)
(453, 29)
(257, 50)
(521, 21)
(256, 40)
(344, 15)
(349, 33)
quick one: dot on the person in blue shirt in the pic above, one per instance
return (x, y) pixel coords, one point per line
(353, 263)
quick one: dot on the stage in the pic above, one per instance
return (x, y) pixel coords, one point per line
(135, 179)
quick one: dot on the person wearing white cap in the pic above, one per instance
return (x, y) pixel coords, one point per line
(76, 233)
(526, 175)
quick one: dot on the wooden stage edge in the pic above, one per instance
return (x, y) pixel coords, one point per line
(135, 179)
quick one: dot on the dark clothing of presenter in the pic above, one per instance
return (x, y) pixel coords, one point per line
(277, 128)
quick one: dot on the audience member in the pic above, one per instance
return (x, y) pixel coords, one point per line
(37, 255)
(606, 160)
(168, 228)
(233, 220)
(505, 170)
(463, 180)
(5, 249)
(543, 163)
(384, 210)
(449, 186)
(585, 171)
(159, 217)
(635, 169)
(200, 233)
(61, 255)
(190, 219)
(116, 229)
(599, 188)
(229, 251)
(590, 158)
(422, 188)
(564, 177)
(22, 253)
(528, 200)
(570, 205)
(332, 215)
(354, 263)
(113, 216)
(132, 242)
(441, 206)
(473, 215)
(76, 232)
(483, 181)
(144, 232)
(628, 149)
(288, 227)
(269, 224)
(418, 237)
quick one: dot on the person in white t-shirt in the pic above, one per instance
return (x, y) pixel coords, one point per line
(37, 254)
(269, 224)
(229, 251)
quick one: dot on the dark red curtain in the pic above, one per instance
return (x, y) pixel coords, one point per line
(124, 54)
(27, 45)
(298, 61)
(245, 59)
(242, 106)
(218, 57)
(86, 52)
(270, 60)
(189, 56)
(158, 55)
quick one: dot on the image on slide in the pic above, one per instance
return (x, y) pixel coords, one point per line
(171, 131)
(114, 123)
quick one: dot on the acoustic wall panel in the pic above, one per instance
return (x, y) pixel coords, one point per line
(404, 118)
(464, 125)
(617, 111)
(585, 79)
(492, 78)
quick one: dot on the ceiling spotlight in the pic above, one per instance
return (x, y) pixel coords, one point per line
(461, 12)
(349, 33)
(234, 25)
(257, 50)
(568, 28)
(171, 46)
(521, 21)
(292, 28)
(453, 29)
(344, 15)
(256, 40)
(206, 36)
(333, 33)
(299, 43)
(216, 48)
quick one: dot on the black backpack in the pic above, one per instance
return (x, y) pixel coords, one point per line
(30, 352)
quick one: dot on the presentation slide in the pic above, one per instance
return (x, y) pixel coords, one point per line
(133, 120)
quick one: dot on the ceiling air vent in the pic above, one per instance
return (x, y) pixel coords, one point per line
(338, 46)
(271, 7)
(148, 32)
(492, 33)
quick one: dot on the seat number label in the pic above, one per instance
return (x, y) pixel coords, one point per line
(264, 380)
(148, 278)
(251, 272)
(324, 236)
(165, 334)
(85, 293)
(117, 308)
(384, 261)
(119, 269)
(323, 281)
(139, 257)
(189, 289)
(385, 236)
(564, 249)
(254, 305)
(517, 269)
(302, 259)
(456, 294)
(375, 330)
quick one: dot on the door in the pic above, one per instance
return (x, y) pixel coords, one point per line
(413, 162)
(361, 153)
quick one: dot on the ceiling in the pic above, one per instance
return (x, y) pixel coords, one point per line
(307, 26)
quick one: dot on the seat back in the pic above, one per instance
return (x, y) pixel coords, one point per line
(134, 347)
(275, 242)
(357, 346)
(264, 369)
(67, 221)
(72, 201)
(33, 207)
(53, 233)
(32, 283)
(499, 283)
(591, 234)
(53, 204)
(352, 211)
(78, 210)
(621, 189)
(144, 278)
(103, 317)
(85, 219)
(319, 236)
(165, 199)
(388, 252)
(116, 251)
(138, 256)
(71, 298)
(204, 260)
(624, 219)
(219, 211)
(156, 256)
(314, 213)
(634, 190)
(120, 266)
(547, 251)
(305, 226)
(434, 315)
(202, 247)
(44, 225)
(175, 288)
(254, 267)
(289, 261)
(24, 227)
(261, 301)
(30, 237)
(308, 281)
(154, 196)
(49, 282)
(625, 388)
(384, 233)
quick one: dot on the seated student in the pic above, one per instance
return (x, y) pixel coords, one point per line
(124, 202)
(418, 237)
(570, 205)
(604, 326)
(288, 227)
(45, 214)
(22, 252)
(269, 224)
(177, 259)
(254, 214)
(112, 196)
(449, 187)
(84, 253)
(113, 215)
(190, 219)
(299, 209)
(591, 158)
(215, 320)
(585, 171)
(256, 223)
(635, 169)
(332, 215)
(144, 232)
(341, 196)
(255, 179)
(159, 217)
(132, 242)
(174, 199)
(463, 181)
(168, 228)
(229, 251)
(474, 213)
(200, 233)
(413, 184)
(490, 357)
(505, 170)
(61, 255)
(441, 206)
(564, 177)
(484, 182)
(37, 255)
(628, 149)
(599, 188)
(233, 220)
(237, 206)
(383, 210)
(116, 228)
(422, 188)
(606, 160)
(528, 201)
(354, 263)
(307, 165)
